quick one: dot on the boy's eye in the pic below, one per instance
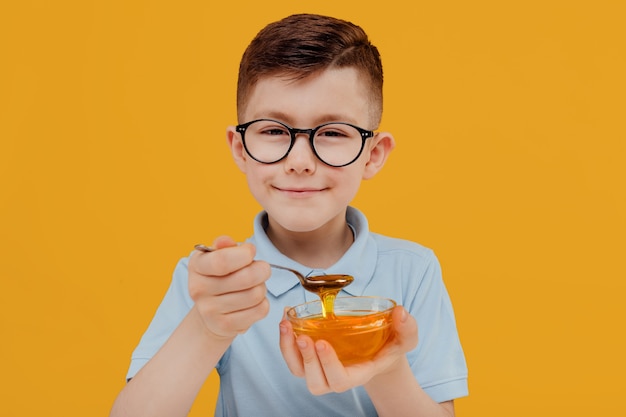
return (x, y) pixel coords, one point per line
(338, 133)
(271, 130)
(330, 133)
(275, 131)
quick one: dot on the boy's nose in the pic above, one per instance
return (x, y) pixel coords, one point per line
(301, 157)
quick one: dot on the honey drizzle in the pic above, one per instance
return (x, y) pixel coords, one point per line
(327, 287)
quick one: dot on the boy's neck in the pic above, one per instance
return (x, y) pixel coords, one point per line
(320, 248)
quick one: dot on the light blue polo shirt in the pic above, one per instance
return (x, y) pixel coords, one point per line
(254, 379)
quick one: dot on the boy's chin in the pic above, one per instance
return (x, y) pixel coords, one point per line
(298, 223)
(298, 226)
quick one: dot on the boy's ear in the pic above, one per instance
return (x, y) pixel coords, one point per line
(236, 147)
(379, 150)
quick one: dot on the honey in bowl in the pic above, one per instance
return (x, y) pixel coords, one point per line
(359, 328)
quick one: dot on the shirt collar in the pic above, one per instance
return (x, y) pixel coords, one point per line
(358, 261)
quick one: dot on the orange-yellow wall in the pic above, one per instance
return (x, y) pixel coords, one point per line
(510, 120)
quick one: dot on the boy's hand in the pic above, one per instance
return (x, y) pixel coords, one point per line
(228, 287)
(324, 373)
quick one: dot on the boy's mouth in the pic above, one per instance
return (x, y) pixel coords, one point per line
(299, 191)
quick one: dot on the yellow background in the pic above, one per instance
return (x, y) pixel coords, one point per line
(510, 163)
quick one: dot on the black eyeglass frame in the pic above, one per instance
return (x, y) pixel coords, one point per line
(293, 132)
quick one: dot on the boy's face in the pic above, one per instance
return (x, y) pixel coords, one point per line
(300, 192)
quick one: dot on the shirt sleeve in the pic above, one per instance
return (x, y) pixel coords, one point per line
(438, 361)
(173, 308)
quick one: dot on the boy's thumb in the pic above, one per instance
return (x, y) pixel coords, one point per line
(224, 242)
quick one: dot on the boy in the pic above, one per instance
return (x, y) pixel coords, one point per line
(309, 97)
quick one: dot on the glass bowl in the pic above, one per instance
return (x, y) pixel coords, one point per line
(359, 329)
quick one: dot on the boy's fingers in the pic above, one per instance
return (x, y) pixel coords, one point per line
(405, 329)
(335, 373)
(229, 258)
(290, 352)
(224, 242)
(315, 377)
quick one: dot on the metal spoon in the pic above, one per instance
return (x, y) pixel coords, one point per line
(325, 286)
(318, 284)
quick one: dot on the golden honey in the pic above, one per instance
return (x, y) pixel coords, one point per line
(327, 287)
(359, 328)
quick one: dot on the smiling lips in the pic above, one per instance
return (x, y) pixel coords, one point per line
(299, 191)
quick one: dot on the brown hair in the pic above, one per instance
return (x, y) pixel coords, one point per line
(302, 44)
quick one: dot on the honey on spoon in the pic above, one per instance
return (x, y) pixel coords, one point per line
(325, 286)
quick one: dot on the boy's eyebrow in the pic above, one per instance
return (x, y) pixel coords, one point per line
(284, 117)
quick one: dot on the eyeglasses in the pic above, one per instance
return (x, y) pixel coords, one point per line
(336, 144)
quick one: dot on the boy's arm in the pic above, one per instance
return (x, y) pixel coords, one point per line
(169, 383)
(229, 295)
(397, 393)
(388, 379)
